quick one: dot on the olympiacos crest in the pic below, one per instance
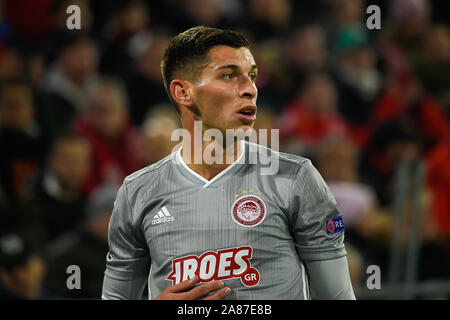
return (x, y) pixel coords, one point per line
(248, 211)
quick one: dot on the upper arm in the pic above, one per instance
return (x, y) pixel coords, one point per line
(313, 205)
(128, 259)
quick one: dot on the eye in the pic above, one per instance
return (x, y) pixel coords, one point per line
(253, 77)
(228, 76)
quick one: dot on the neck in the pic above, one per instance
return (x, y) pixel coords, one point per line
(209, 158)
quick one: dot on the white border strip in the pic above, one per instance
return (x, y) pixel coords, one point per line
(208, 182)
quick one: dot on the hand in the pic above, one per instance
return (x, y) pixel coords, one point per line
(184, 291)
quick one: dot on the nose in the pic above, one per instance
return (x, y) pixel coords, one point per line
(248, 88)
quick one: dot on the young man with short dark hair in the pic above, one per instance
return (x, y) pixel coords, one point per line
(228, 227)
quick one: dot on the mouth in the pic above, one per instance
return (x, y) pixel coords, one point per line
(247, 113)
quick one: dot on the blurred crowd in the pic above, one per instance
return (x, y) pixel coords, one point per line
(81, 109)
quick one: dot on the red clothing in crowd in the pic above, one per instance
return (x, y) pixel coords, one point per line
(112, 161)
(309, 125)
(29, 18)
(438, 180)
(426, 112)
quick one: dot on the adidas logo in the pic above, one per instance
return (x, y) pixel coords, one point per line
(162, 216)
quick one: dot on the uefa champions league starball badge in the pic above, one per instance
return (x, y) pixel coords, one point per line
(248, 211)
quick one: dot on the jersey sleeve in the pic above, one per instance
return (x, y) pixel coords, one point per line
(330, 279)
(128, 259)
(317, 223)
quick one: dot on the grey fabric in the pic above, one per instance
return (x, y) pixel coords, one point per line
(330, 279)
(197, 225)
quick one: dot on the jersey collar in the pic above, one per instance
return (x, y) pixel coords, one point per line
(205, 183)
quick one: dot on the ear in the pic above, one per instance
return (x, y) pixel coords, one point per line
(181, 93)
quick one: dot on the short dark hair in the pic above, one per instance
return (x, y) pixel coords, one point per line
(188, 52)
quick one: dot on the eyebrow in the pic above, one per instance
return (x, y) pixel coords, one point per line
(236, 67)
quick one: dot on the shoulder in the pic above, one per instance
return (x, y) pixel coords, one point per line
(147, 175)
(287, 163)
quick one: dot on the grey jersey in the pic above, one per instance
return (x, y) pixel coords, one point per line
(252, 230)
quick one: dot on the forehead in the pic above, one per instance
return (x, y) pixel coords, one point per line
(70, 145)
(221, 55)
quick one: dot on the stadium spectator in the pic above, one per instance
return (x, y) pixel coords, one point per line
(21, 139)
(145, 85)
(368, 227)
(65, 86)
(438, 180)
(285, 63)
(56, 202)
(392, 142)
(202, 12)
(12, 63)
(85, 247)
(432, 64)
(113, 139)
(56, 35)
(21, 270)
(405, 98)
(435, 262)
(357, 79)
(311, 116)
(345, 13)
(157, 131)
(127, 33)
(409, 21)
(267, 18)
(306, 51)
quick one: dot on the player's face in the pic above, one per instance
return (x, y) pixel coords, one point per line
(225, 94)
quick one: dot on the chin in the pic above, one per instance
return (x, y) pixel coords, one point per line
(245, 127)
(237, 126)
(244, 134)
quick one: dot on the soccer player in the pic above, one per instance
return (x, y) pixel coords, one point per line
(228, 229)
